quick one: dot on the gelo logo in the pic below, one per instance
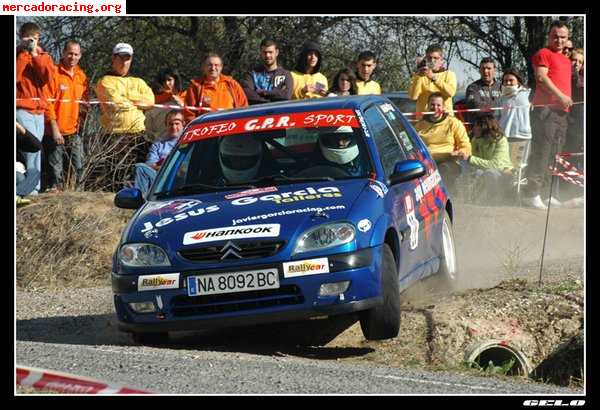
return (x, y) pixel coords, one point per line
(552, 403)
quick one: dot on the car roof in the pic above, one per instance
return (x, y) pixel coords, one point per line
(283, 107)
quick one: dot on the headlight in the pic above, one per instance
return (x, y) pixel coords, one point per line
(325, 236)
(143, 254)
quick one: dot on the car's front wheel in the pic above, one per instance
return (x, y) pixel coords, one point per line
(383, 322)
(448, 272)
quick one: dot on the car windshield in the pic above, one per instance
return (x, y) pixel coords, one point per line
(253, 159)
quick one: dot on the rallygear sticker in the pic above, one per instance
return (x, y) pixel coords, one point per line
(364, 225)
(228, 232)
(250, 192)
(307, 267)
(412, 220)
(295, 196)
(329, 118)
(157, 282)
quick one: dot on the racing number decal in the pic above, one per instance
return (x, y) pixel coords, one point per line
(412, 220)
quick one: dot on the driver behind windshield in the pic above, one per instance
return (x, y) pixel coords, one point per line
(240, 157)
(339, 148)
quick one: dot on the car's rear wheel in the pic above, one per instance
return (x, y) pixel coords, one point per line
(151, 338)
(448, 272)
(383, 322)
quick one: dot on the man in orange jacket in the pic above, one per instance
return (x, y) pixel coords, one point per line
(34, 72)
(213, 90)
(70, 85)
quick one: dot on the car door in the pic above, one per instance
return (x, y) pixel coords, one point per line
(430, 199)
(400, 200)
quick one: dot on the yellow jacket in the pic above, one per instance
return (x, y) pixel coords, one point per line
(422, 87)
(300, 80)
(369, 87)
(443, 137)
(124, 117)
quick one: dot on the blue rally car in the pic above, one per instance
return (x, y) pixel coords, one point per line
(284, 211)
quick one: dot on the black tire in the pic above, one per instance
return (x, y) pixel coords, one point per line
(383, 322)
(150, 339)
(448, 271)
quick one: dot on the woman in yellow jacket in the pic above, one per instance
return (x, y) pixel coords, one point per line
(308, 81)
(446, 139)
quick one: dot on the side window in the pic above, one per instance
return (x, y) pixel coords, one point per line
(388, 147)
(406, 139)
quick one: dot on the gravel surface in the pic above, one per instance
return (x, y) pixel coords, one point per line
(75, 331)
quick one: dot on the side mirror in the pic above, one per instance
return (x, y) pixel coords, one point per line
(129, 198)
(407, 170)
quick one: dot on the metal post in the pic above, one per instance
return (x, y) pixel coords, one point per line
(548, 211)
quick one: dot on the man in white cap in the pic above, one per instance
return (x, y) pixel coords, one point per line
(125, 98)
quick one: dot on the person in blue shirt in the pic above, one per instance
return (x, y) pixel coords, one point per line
(145, 172)
(268, 82)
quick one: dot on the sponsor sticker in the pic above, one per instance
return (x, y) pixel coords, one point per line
(379, 187)
(286, 212)
(412, 220)
(387, 107)
(149, 227)
(305, 194)
(427, 185)
(307, 267)
(157, 282)
(406, 141)
(176, 205)
(364, 225)
(231, 232)
(329, 118)
(250, 192)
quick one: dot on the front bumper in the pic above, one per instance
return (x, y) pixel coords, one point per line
(296, 299)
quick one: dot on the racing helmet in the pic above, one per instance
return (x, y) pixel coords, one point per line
(240, 158)
(339, 146)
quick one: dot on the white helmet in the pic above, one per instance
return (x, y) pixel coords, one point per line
(239, 157)
(333, 150)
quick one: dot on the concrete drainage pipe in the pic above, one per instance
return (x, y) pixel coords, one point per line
(499, 353)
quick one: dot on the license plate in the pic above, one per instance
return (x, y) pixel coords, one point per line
(232, 282)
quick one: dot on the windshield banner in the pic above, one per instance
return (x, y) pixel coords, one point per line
(335, 118)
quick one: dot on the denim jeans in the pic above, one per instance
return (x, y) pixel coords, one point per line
(144, 176)
(34, 123)
(73, 151)
(26, 182)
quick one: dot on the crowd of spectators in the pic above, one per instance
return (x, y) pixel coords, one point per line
(144, 133)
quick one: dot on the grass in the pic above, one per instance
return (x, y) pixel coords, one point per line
(67, 240)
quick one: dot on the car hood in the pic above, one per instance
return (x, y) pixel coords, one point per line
(270, 212)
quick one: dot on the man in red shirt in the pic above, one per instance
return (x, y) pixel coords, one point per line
(548, 122)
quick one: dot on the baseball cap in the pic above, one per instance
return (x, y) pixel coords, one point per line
(123, 48)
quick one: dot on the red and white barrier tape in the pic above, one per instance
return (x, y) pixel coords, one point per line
(97, 102)
(570, 173)
(187, 107)
(68, 383)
